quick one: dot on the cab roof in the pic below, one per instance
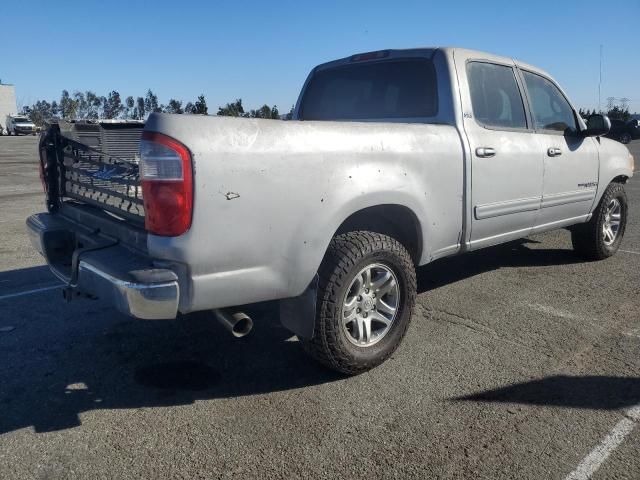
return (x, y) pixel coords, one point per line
(428, 52)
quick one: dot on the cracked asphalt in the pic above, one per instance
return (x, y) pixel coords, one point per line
(519, 361)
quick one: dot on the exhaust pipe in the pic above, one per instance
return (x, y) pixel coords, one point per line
(238, 323)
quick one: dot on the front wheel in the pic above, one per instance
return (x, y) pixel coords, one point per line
(366, 296)
(601, 236)
(625, 138)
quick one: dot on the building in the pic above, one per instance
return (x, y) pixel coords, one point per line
(7, 102)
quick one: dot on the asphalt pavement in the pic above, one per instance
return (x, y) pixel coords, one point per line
(522, 362)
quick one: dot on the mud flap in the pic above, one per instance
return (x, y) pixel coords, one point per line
(298, 314)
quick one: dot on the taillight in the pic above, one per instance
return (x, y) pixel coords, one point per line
(167, 184)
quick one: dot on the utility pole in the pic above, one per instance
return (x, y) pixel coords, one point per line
(610, 103)
(624, 103)
(600, 82)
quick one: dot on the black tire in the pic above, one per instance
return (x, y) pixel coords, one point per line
(625, 138)
(588, 238)
(346, 256)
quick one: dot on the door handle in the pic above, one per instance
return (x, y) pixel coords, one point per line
(485, 152)
(554, 151)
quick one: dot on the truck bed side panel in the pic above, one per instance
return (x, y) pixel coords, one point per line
(269, 196)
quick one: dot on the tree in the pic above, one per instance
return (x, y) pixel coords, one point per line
(585, 113)
(94, 104)
(40, 112)
(618, 113)
(200, 106)
(103, 106)
(264, 112)
(289, 116)
(68, 106)
(234, 109)
(151, 103)
(139, 111)
(81, 104)
(130, 107)
(174, 106)
(112, 106)
(89, 105)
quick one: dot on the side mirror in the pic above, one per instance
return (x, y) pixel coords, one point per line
(597, 125)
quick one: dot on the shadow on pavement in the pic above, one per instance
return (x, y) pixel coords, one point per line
(592, 392)
(513, 254)
(63, 360)
(13, 281)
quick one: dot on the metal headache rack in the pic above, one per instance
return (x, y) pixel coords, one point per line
(100, 166)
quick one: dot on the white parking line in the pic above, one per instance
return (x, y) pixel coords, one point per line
(601, 452)
(629, 251)
(565, 314)
(554, 311)
(29, 292)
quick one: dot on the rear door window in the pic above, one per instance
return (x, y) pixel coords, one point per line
(378, 90)
(495, 96)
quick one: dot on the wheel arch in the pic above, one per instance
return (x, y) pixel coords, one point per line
(395, 220)
(620, 179)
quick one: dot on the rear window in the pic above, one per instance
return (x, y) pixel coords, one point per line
(495, 95)
(380, 90)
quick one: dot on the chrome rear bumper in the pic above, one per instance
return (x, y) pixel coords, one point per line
(93, 264)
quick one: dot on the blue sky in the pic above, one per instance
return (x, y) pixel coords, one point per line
(262, 51)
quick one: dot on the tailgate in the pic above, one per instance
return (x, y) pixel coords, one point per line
(95, 163)
(93, 237)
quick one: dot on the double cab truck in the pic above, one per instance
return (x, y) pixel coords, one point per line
(393, 159)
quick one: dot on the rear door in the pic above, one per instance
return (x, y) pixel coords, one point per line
(506, 163)
(570, 160)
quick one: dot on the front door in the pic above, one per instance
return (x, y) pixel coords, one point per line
(570, 160)
(506, 163)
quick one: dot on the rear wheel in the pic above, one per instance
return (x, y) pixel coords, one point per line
(601, 236)
(366, 296)
(625, 138)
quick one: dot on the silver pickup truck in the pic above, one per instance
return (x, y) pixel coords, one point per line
(395, 158)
